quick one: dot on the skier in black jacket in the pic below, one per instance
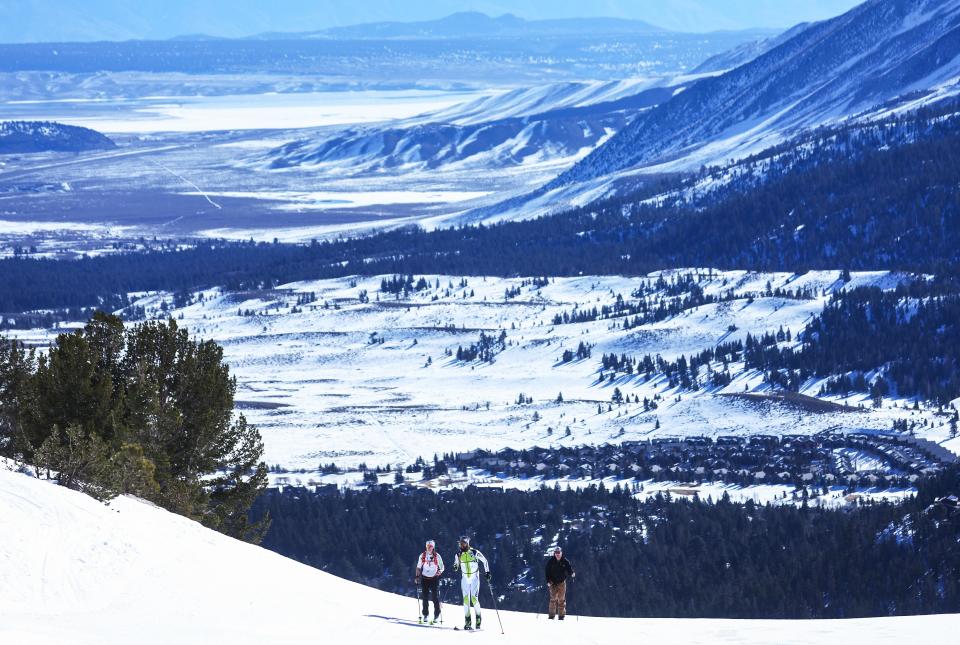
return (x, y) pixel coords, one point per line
(558, 570)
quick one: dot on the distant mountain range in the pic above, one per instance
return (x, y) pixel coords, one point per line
(876, 52)
(475, 24)
(454, 51)
(737, 103)
(18, 137)
(748, 98)
(28, 21)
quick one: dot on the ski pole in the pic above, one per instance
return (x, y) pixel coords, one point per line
(440, 594)
(494, 596)
(417, 587)
(578, 615)
(571, 587)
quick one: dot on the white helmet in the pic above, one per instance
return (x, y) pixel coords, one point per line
(431, 543)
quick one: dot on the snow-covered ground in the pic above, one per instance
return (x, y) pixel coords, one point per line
(239, 112)
(348, 382)
(75, 571)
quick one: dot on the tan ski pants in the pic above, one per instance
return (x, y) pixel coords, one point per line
(558, 599)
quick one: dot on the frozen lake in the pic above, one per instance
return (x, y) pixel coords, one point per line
(237, 112)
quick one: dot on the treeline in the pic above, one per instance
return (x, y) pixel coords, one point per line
(895, 207)
(904, 341)
(656, 558)
(827, 145)
(682, 372)
(49, 318)
(145, 410)
(661, 300)
(908, 339)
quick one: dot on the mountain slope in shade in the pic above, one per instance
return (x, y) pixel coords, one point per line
(877, 51)
(73, 570)
(17, 137)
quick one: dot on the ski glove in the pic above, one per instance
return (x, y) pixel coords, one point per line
(487, 576)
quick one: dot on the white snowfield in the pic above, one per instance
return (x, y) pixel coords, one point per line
(245, 112)
(77, 572)
(372, 382)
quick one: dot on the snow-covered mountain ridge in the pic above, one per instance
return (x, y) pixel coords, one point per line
(875, 52)
(78, 572)
(517, 127)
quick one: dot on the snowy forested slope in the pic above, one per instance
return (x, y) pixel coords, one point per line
(77, 572)
(343, 371)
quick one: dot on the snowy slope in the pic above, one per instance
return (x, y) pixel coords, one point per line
(877, 51)
(742, 54)
(521, 126)
(350, 382)
(76, 572)
(527, 101)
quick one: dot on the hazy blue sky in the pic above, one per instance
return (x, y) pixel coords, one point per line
(46, 20)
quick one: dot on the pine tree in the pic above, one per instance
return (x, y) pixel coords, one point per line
(145, 410)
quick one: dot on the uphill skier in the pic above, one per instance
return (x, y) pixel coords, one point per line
(558, 569)
(428, 572)
(468, 564)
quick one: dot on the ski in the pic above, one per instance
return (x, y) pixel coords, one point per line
(430, 623)
(416, 623)
(466, 629)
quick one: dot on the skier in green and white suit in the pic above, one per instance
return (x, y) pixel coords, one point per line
(468, 564)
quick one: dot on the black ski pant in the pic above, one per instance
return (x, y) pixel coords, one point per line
(430, 586)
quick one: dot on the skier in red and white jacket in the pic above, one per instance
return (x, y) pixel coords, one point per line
(429, 570)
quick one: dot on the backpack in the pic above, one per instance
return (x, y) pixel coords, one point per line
(423, 559)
